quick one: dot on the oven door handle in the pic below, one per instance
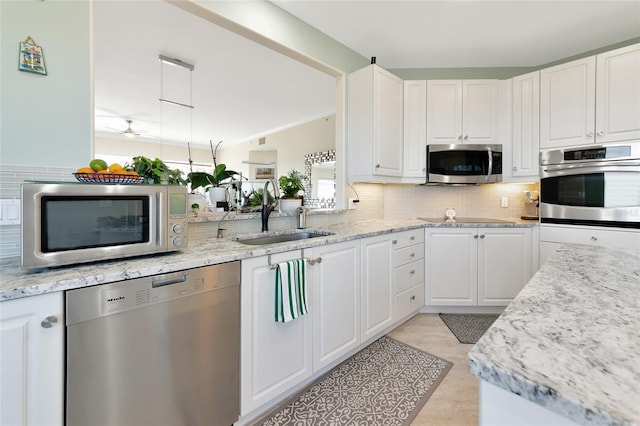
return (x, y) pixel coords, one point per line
(582, 169)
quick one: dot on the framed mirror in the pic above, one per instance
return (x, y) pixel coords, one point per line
(320, 182)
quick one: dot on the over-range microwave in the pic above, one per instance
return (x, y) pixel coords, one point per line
(69, 223)
(464, 163)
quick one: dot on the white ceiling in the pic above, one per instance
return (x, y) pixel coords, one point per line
(242, 90)
(471, 33)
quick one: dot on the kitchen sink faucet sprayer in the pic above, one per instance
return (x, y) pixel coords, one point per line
(266, 207)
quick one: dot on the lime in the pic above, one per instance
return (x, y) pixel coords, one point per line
(98, 165)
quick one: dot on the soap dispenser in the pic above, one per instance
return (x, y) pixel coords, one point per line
(301, 215)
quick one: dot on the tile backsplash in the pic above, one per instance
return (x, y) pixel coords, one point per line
(377, 201)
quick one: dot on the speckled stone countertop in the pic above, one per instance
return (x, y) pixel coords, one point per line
(570, 341)
(16, 282)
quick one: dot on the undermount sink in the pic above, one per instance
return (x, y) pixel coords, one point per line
(274, 238)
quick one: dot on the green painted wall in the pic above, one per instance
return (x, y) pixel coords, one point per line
(46, 120)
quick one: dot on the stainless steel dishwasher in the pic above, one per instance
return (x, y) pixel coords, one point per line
(161, 350)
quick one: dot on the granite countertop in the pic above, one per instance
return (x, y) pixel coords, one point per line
(16, 282)
(570, 341)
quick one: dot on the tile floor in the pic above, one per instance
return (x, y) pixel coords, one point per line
(455, 400)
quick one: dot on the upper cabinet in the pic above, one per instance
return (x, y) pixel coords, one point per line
(525, 131)
(415, 130)
(462, 111)
(374, 129)
(591, 100)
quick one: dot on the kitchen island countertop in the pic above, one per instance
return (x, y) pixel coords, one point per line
(16, 283)
(570, 341)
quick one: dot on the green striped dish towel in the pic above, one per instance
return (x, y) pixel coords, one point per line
(291, 290)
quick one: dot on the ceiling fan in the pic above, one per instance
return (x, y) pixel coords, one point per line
(129, 132)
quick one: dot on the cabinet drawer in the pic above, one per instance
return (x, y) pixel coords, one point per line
(408, 254)
(409, 301)
(407, 238)
(590, 235)
(408, 275)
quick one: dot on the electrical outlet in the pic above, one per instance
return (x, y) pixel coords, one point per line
(352, 204)
(504, 202)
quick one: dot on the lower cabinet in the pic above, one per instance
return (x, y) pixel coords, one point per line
(335, 300)
(408, 273)
(275, 356)
(32, 354)
(476, 266)
(377, 285)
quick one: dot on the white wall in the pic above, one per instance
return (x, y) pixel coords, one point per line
(46, 120)
(290, 144)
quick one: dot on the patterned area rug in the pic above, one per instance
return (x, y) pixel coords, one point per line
(384, 384)
(468, 328)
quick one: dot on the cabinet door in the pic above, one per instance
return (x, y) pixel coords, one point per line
(567, 104)
(504, 264)
(444, 111)
(415, 129)
(618, 95)
(377, 285)
(451, 266)
(32, 360)
(526, 124)
(387, 123)
(275, 355)
(336, 301)
(480, 111)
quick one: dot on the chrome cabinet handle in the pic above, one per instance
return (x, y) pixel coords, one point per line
(314, 261)
(475, 236)
(49, 321)
(515, 169)
(377, 166)
(411, 272)
(482, 236)
(413, 237)
(466, 137)
(594, 238)
(589, 134)
(412, 298)
(412, 255)
(460, 137)
(600, 133)
(394, 242)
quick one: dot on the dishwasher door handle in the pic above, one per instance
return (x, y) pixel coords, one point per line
(168, 281)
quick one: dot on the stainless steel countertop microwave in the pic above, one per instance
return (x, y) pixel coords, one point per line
(68, 223)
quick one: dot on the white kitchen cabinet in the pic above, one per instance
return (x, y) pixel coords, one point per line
(553, 236)
(374, 125)
(525, 125)
(462, 111)
(275, 356)
(335, 296)
(408, 272)
(476, 266)
(591, 100)
(32, 360)
(415, 130)
(377, 285)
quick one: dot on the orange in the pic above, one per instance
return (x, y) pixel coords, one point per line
(101, 172)
(84, 170)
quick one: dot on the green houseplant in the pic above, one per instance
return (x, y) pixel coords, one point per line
(290, 185)
(155, 171)
(213, 180)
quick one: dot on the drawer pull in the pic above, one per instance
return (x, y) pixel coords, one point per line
(412, 255)
(413, 237)
(594, 238)
(411, 272)
(49, 321)
(412, 298)
(394, 241)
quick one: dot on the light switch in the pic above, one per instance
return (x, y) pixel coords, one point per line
(9, 212)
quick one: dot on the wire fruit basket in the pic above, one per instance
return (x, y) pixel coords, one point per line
(108, 178)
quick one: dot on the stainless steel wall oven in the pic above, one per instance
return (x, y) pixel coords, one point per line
(594, 185)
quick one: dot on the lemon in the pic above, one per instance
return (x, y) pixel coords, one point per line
(98, 165)
(116, 168)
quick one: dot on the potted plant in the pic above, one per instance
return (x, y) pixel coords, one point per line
(291, 186)
(155, 171)
(212, 183)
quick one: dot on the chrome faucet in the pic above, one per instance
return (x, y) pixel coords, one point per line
(266, 207)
